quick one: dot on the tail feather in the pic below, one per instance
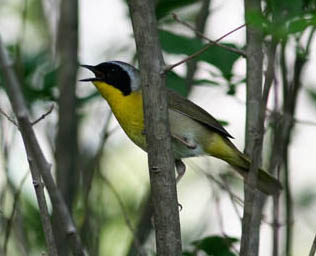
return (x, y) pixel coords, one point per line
(265, 182)
(224, 149)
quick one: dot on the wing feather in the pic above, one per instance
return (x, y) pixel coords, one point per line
(188, 108)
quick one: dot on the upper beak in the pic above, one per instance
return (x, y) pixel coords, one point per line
(91, 68)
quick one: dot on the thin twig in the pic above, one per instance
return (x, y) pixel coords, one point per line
(276, 221)
(313, 248)
(19, 107)
(199, 26)
(93, 162)
(8, 117)
(37, 161)
(43, 115)
(234, 204)
(235, 199)
(231, 49)
(221, 223)
(270, 111)
(10, 220)
(225, 188)
(124, 212)
(307, 122)
(199, 52)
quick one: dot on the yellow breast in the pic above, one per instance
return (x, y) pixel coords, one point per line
(128, 110)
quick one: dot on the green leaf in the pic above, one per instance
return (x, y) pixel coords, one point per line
(312, 94)
(284, 9)
(223, 122)
(32, 224)
(216, 245)
(187, 253)
(217, 56)
(205, 82)
(300, 25)
(164, 7)
(306, 198)
(177, 83)
(88, 98)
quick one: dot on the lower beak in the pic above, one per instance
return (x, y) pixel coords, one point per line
(91, 68)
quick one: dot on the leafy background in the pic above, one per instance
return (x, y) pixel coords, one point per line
(209, 222)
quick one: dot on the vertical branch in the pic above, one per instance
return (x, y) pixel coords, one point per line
(290, 94)
(254, 135)
(35, 153)
(313, 248)
(66, 141)
(144, 226)
(289, 107)
(275, 165)
(200, 27)
(160, 159)
(22, 116)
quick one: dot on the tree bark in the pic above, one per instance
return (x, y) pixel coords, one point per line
(35, 154)
(66, 152)
(160, 158)
(254, 136)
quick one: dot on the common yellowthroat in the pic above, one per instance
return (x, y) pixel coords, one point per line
(194, 132)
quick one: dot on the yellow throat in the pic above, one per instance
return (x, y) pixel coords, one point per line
(128, 109)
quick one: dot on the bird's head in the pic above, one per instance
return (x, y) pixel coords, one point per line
(120, 75)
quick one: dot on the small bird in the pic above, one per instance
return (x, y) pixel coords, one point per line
(194, 132)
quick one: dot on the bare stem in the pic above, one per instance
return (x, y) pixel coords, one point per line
(313, 248)
(160, 156)
(50, 110)
(10, 220)
(127, 219)
(205, 48)
(38, 164)
(8, 117)
(254, 136)
(198, 33)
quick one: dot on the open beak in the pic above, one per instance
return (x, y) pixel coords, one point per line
(94, 70)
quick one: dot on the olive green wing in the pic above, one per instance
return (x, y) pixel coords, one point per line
(188, 108)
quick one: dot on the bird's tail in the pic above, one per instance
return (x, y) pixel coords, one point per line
(224, 149)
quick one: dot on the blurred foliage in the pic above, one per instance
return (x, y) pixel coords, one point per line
(176, 82)
(37, 77)
(312, 94)
(283, 18)
(212, 246)
(99, 210)
(165, 7)
(306, 198)
(31, 225)
(181, 45)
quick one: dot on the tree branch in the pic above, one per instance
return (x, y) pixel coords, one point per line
(17, 193)
(200, 34)
(254, 135)
(198, 53)
(160, 159)
(200, 22)
(35, 154)
(66, 152)
(24, 124)
(44, 115)
(313, 248)
(8, 117)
